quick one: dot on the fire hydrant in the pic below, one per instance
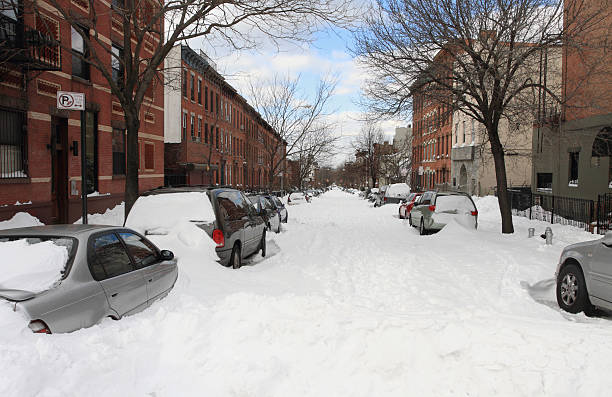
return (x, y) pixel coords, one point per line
(549, 236)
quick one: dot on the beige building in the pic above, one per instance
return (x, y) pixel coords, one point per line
(472, 165)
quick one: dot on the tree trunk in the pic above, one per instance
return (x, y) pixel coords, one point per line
(502, 184)
(133, 160)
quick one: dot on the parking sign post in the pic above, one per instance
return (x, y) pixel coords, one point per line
(76, 101)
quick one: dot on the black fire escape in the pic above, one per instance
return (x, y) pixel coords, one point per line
(27, 48)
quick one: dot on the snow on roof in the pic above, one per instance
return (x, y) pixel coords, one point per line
(162, 212)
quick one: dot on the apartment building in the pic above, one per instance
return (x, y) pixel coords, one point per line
(40, 156)
(212, 135)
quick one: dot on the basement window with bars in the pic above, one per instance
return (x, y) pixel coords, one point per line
(13, 154)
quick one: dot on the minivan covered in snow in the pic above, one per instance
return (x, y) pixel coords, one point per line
(436, 209)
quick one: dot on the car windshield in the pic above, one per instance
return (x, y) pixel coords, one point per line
(454, 203)
(34, 263)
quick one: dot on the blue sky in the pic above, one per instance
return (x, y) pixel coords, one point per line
(327, 53)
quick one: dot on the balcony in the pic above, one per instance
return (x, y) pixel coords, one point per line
(27, 47)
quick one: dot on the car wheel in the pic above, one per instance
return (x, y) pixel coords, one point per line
(262, 245)
(236, 258)
(572, 295)
(422, 230)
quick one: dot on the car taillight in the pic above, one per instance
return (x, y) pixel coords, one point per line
(288, 200)
(474, 213)
(39, 327)
(218, 238)
(432, 208)
(384, 198)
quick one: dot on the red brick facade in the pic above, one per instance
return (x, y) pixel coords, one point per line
(222, 138)
(47, 173)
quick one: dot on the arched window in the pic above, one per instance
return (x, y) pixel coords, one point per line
(602, 145)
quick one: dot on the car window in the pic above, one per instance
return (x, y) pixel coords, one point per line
(108, 257)
(231, 205)
(268, 204)
(457, 203)
(143, 252)
(277, 201)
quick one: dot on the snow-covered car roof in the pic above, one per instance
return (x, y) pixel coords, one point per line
(398, 190)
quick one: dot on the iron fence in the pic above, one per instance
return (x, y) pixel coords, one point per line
(604, 213)
(554, 209)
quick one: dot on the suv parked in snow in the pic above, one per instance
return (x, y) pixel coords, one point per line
(106, 272)
(436, 209)
(235, 226)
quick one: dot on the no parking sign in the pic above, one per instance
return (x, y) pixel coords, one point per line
(70, 100)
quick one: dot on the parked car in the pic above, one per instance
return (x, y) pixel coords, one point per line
(235, 226)
(371, 196)
(395, 193)
(280, 207)
(407, 205)
(110, 272)
(298, 198)
(267, 210)
(436, 209)
(379, 197)
(584, 276)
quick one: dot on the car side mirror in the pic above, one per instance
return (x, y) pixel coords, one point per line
(167, 255)
(607, 240)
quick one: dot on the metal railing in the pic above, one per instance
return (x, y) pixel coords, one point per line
(20, 44)
(604, 213)
(554, 209)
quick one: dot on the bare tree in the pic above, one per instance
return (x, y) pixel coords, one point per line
(313, 149)
(151, 28)
(364, 144)
(397, 164)
(473, 56)
(300, 120)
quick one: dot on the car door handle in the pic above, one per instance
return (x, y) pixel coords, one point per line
(115, 294)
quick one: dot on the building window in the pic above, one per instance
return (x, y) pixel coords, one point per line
(13, 160)
(185, 83)
(206, 132)
(463, 138)
(473, 131)
(80, 67)
(456, 132)
(217, 138)
(184, 125)
(116, 63)
(192, 127)
(544, 181)
(118, 144)
(199, 129)
(91, 153)
(149, 157)
(205, 98)
(192, 87)
(573, 168)
(200, 91)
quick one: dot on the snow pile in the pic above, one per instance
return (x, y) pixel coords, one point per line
(20, 219)
(161, 213)
(113, 217)
(31, 267)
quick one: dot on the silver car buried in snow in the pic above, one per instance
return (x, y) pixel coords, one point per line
(110, 272)
(584, 276)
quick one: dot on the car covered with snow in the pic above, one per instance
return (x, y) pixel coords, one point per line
(280, 207)
(298, 198)
(407, 205)
(66, 277)
(436, 209)
(266, 208)
(584, 276)
(378, 200)
(395, 193)
(225, 214)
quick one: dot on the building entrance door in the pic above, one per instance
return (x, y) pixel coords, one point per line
(59, 169)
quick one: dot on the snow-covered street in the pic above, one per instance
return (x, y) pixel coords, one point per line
(349, 301)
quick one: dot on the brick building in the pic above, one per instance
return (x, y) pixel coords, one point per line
(40, 156)
(212, 135)
(431, 135)
(572, 146)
